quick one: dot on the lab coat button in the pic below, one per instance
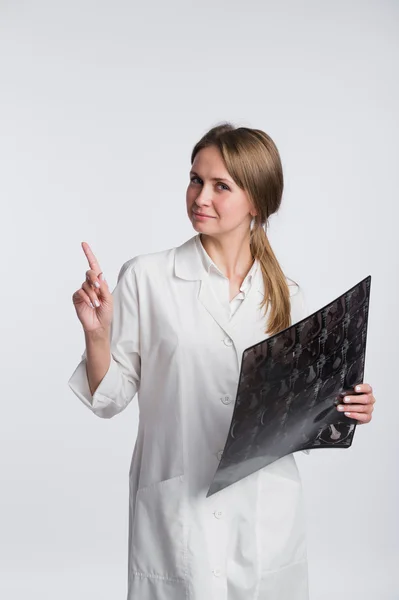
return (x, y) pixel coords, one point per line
(218, 514)
(226, 399)
(220, 454)
(217, 572)
(228, 341)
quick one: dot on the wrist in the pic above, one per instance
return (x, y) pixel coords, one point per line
(98, 335)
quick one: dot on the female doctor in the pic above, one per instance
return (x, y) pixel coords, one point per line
(174, 330)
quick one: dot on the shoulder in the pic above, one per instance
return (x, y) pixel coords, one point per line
(148, 264)
(298, 304)
(293, 287)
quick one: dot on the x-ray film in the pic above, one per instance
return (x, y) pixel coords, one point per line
(290, 385)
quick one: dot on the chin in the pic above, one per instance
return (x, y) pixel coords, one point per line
(197, 226)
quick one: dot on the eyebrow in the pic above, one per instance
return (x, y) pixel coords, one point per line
(214, 178)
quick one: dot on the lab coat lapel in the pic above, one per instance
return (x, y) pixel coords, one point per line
(208, 298)
(188, 265)
(241, 328)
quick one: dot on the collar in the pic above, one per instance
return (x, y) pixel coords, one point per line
(209, 265)
(190, 265)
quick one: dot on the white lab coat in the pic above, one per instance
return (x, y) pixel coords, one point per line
(172, 342)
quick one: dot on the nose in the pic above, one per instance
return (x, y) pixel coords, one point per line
(204, 198)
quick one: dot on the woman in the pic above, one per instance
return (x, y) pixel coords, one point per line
(174, 330)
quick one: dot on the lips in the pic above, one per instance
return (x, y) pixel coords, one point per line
(201, 215)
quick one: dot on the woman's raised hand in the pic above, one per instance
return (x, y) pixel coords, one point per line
(98, 315)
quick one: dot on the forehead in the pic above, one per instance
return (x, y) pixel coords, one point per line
(209, 160)
(211, 153)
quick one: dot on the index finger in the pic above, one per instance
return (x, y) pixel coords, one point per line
(91, 258)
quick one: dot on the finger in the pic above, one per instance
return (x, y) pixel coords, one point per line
(91, 293)
(361, 399)
(365, 388)
(91, 277)
(356, 408)
(82, 295)
(93, 262)
(100, 286)
(361, 417)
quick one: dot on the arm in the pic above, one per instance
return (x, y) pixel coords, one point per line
(98, 357)
(108, 375)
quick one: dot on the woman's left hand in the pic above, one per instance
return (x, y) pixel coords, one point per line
(360, 406)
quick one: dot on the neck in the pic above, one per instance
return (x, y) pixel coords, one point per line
(230, 252)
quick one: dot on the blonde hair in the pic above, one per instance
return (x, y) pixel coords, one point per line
(253, 161)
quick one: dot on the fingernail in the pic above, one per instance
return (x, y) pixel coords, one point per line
(91, 304)
(101, 277)
(97, 303)
(348, 414)
(358, 388)
(347, 399)
(341, 407)
(96, 284)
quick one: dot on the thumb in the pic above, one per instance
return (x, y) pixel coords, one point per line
(103, 285)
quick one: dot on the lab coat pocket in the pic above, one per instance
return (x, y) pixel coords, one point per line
(159, 530)
(282, 523)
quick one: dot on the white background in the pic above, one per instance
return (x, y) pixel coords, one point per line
(100, 106)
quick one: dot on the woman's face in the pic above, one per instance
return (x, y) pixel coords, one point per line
(213, 193)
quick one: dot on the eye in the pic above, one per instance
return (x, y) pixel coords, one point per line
(196, 179)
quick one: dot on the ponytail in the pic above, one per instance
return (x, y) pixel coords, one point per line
(276, 288)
